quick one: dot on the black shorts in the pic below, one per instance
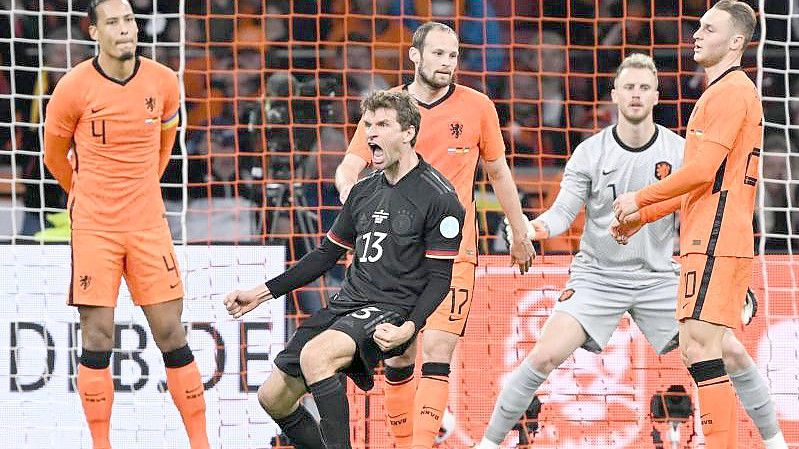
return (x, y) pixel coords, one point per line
(357, 322)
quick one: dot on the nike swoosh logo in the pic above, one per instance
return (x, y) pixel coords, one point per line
(604, 172)
(173, 286)
(94, 111)
(397, 416)
(685, 305)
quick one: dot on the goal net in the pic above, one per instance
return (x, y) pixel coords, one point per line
(778, 193)
(40, 335)
(271, 92)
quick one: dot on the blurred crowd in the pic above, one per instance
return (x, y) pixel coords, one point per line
(272, 90)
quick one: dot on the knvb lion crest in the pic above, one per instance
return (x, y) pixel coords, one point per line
(456, 129)
(85, 281)
(149, 103)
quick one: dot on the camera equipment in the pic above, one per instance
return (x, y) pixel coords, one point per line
(528, 423)
(674, 407)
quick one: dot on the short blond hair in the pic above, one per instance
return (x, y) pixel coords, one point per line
(742, 15)
(637, 61)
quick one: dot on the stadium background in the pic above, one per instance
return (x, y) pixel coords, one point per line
(271, 99)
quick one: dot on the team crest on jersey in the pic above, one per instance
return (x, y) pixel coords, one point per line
(456, 129)
(566, 294)
(149, 103)
(401, 223)
(662, 169)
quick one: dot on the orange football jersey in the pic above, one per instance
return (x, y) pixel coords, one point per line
(717, 220)
(455, 132)
(116, 128)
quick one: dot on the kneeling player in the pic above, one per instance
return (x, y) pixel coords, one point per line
(404, 224)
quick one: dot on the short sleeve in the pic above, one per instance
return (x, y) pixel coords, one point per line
(724, 114)
(63, 110)
(342, 233)
(171, 103)
(443, 227)
(358, 144)
(492, 145)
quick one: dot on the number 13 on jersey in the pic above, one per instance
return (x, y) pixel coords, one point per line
(368, 246)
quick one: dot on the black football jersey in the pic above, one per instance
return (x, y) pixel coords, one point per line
(392, 228)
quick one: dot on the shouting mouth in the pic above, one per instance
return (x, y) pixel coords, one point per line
(378, 155)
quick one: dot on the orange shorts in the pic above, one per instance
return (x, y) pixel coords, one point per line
(713, 289)
(452, 313)
(146, 259)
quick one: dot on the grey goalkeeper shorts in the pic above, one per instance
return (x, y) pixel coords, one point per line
(598, 306)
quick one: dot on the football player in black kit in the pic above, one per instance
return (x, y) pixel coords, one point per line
(404, 225)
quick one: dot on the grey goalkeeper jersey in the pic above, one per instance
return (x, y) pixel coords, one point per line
(600, 169)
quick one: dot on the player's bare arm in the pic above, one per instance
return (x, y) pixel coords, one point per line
(347, 174)
(522, 252)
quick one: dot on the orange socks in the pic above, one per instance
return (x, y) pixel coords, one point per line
(400, 391)
(717, 404)
(732, 434)
(96, 391)
(186, 387)
(430, 403)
